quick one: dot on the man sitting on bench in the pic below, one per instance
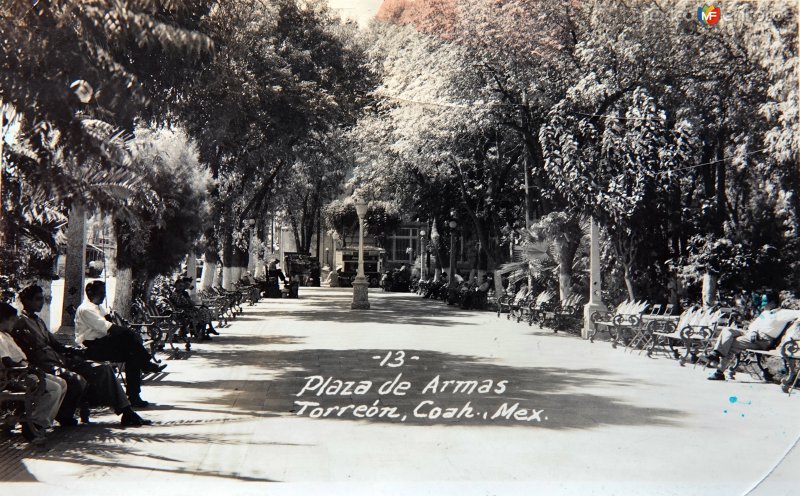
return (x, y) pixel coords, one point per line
(48, 396)
(199, 316)
(105, 341)
(94, 381)
(760, 335)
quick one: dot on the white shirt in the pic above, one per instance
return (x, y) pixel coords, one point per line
(770, 323)
(90, 322)
(9, 348)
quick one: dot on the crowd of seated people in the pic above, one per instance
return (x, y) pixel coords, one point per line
(470, 294)
(73, 378)
(66, 381)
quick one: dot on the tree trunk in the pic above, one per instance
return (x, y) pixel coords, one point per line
(629, 282)
(75, 267)
(709, 289)
(209, 270)
(227, 260)
(123, 295)
(564, 269)
(674, 290)
(148, 287)
(47, 287)
(498, 283)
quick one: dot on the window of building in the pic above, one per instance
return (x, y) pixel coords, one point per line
(404, 238)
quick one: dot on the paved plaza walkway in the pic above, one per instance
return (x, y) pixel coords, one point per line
(286, 397)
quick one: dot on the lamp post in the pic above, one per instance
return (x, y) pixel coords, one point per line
(360, 284)
(282, 248)
(451, 282)
(595, 283)
(422, 250)
(334, 239)
(435, 241)
(253, 252)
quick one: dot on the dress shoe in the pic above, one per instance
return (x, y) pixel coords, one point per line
(132, 419)
(214, 332)
(717, 376)
(33, 433)
(85, 415)
(154, 367)
(139, 403)
(67, 422)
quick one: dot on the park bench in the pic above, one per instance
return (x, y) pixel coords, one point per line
(233, 299)
(474, 298)
(536, 309)
(695, 330)
(16, 396)
(625, 319)
(521, 301)
(785, 348)
(660, 319)
(503, 303)
(249, 292)
(218, 305)
(173, 324)
(567, 313)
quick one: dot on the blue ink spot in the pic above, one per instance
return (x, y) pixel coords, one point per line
(724, 411)
(743, 415)
(733, 399)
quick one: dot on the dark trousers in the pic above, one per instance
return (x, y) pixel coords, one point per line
(76, 387)
(103, 388)
(121, 345)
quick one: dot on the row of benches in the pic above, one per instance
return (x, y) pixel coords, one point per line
(543, 308)
(689, 336)
(159, 323)
(464, 295)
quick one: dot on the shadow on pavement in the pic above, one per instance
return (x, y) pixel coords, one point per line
(102, 445)
(568, 398)
(399, 308)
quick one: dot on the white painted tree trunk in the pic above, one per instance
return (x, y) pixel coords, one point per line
(209, 271)
(191, 271)
(47, 287)
(227, 278)
(498, 283)
(564, 284)
(123, 296)
(216, 279)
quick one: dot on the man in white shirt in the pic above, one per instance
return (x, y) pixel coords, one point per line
(105, 341)
(762, 332)
(48, 397)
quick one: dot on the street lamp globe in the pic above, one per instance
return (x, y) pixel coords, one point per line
(453, 224)
(361, 207)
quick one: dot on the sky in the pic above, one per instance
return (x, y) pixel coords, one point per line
(359, 10)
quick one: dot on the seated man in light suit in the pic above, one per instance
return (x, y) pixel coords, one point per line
(761, 334)
(50, 391)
